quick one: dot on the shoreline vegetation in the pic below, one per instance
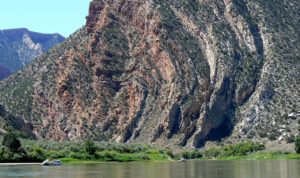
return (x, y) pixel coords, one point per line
(15, 150)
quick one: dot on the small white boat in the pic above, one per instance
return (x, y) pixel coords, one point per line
(51, 163)
(182, 160)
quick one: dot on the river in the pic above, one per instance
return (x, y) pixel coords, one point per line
(189, 169)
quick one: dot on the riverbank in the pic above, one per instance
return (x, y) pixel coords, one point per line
(110, 158)
(90, 152)
(264, 155)
(255, 156)
(119, 157)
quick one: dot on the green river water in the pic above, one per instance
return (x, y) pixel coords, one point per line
(189, 169)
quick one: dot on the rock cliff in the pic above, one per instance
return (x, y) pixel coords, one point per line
(167, 72)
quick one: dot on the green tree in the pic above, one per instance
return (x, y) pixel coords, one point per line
(89, 147)
(212, 153)
(1, 153)
(297, 145)
(11, 141)
(272, 136)
(169, 152)
(195, 154)
(37, 154)
(185, 154)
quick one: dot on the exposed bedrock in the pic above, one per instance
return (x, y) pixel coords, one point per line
(165, 72)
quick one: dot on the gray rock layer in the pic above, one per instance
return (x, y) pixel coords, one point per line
(167, 72)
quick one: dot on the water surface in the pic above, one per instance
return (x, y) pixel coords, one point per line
(189, 169)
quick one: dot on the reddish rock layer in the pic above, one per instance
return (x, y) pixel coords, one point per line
(161, 72)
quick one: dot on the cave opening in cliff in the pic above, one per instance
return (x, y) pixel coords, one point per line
(223, 131)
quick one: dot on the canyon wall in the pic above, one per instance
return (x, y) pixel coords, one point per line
(167, 72)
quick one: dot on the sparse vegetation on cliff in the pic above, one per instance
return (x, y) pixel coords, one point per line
(175, 73)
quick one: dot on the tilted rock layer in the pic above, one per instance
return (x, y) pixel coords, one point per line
(167, 72)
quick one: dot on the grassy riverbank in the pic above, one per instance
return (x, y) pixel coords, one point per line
(264, 155)
(122, 158)
(240, 151)
(25, 150)
(38, 151)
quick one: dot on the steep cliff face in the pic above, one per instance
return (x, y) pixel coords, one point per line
(167, 72)
(18, 47)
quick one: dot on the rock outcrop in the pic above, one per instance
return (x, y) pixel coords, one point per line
(166, 72)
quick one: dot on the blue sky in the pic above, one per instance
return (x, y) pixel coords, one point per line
(44, 16)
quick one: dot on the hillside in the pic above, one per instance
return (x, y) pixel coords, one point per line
(167, 72)
(20, 46)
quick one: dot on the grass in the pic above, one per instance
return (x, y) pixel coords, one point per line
(263, 155)
(273, 155)
(121, 157)
(158, 157)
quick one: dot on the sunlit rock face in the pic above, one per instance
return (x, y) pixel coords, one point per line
(166, 72)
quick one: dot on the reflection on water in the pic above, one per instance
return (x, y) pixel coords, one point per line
(189, 169)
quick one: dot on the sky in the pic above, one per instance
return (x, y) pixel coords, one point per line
(44, 16)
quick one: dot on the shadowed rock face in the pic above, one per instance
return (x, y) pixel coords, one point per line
(20, 46)
(8, 120)
(160, 71)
